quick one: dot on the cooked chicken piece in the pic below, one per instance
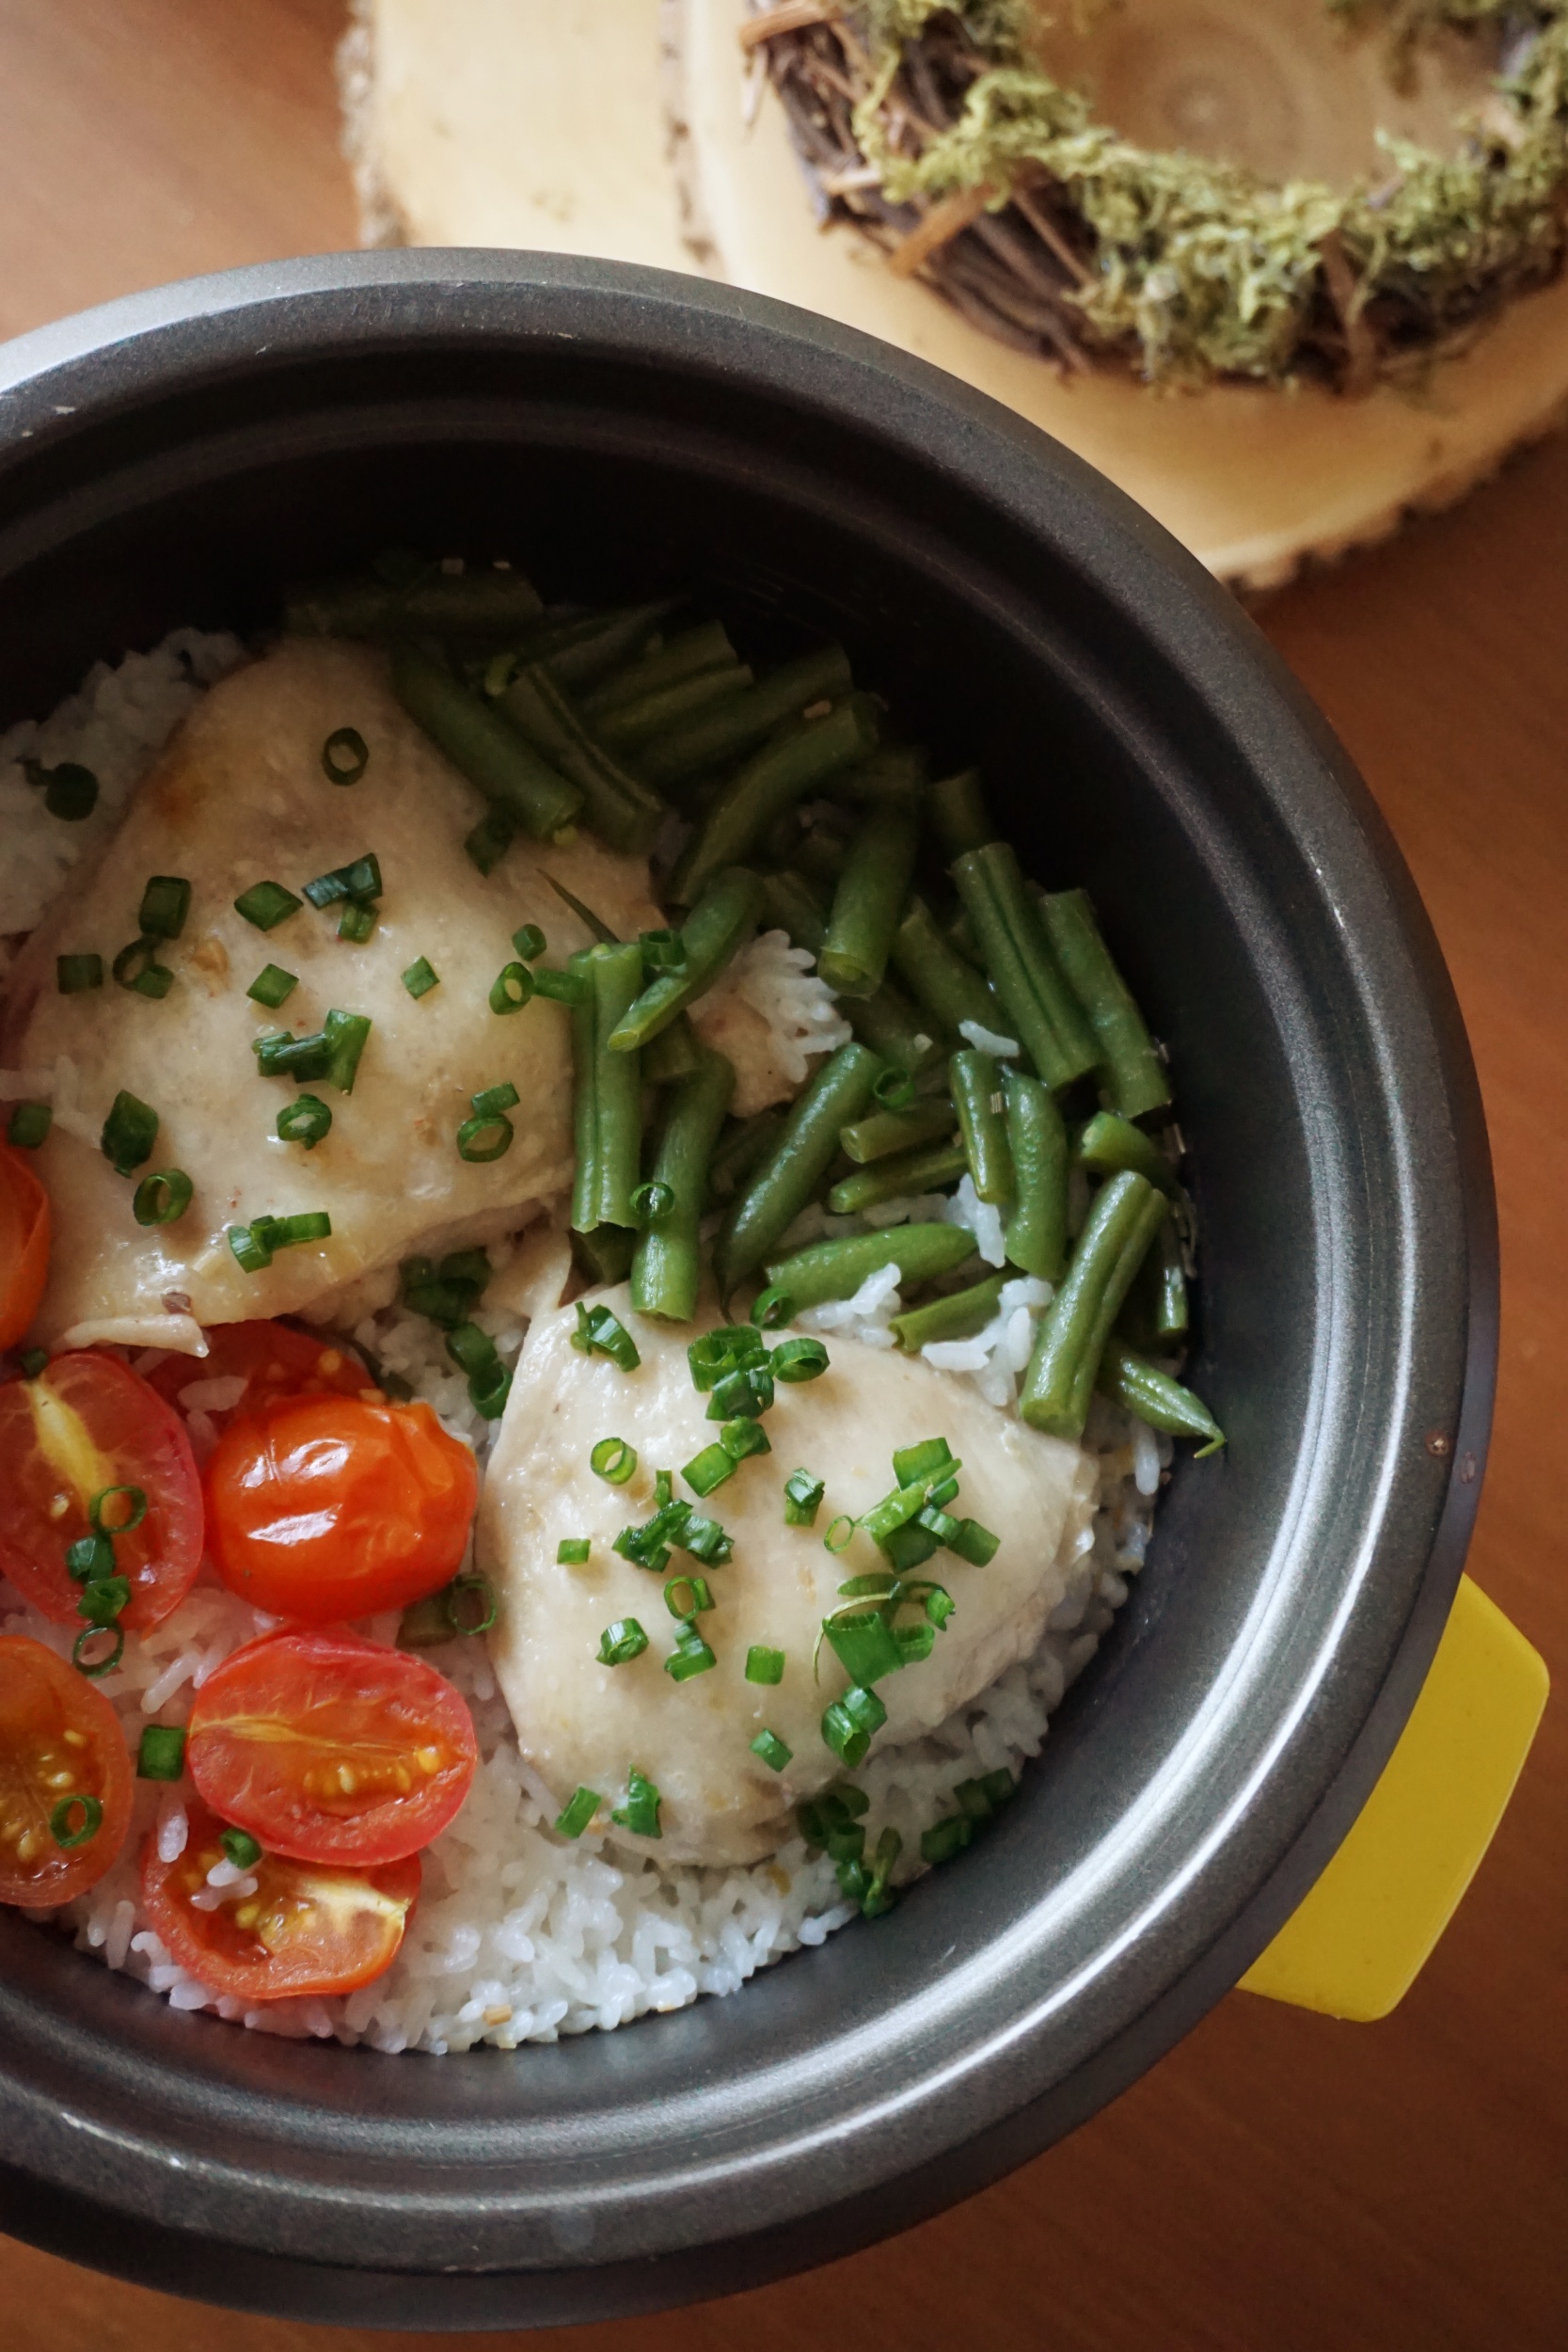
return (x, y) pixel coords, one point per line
(239, 797)
(584, 1725)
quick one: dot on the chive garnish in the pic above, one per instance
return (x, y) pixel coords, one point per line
(764, 1664)
(360, 878)
(653, 1205)
(61, 1820)
(29, 1125)
(305, 1120)
(741, 1438)
(94, 1667)
(613, 1460)
(89, 1559)
(470, 1616)
(266, 904)
(70, 790)
(773, 1308)
(346, 1033)
(488, 1135)
(253, 1245)
(600, 1332)
(849, 1724)
(162, 1753)
(129, 1134)
(799, 1359)
(512, 989)
(640, 1814)
(136, 967)
(573, 1551)
(691, 1655)
(947, 1837)
(242, 1849)
(620, 1642)
(163, 1197)
(528, 940)
(802, 1499)
(575, 1815)
(687, 1596)
(772, 1749)
(745, 1393)
(272, 986)
(662, 951)
(709, 1468)
(914, 1462)
(358, 921)
(164, 905)
(724, 1350)
(420, 978)
(840, 1532)
(102, 1601)
(345, 755)
(72, 974)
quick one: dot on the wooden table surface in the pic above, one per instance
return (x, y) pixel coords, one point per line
(1280, 2183)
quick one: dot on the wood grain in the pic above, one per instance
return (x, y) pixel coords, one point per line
(1279, 2184)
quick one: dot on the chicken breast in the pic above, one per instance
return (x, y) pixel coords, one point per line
(239, 797)
(584, 1725)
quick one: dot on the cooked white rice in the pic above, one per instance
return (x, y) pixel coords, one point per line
(520, 1935)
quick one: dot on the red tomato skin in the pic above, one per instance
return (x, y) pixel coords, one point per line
(212, 1946)
(142, 1444)
(340, 1691)
(321, 1508)
(25, 1234)
(273, 1358)
(41, 1698)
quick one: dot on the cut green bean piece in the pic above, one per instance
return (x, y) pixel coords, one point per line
(1110, 1143)
(959, 815)
(457, 604)
(633, 727)
(978, 1099)
(666, 1271)
(957, 1317)
(676, 1052)
(484, 746)
(789, 905)
(740, 1151)
(608, 1103)
(944, 982)
(884, 1133)
(1042, 1012)
(1131, 1071)
(621, 808)
(695, 653)
(600, 644)
(895, 774)
(1131, 1381)
(836, 1269)
(736, 726)
(887, 1022)
(1122, 1222)
(782, 773)
(787, 1179)
(1035, 1236)
(907, 1173)
(868, 900)
(719, 925)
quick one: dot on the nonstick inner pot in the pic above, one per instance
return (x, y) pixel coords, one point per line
(177, 459)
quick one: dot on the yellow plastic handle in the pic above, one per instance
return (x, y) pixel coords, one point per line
(1356, 1944)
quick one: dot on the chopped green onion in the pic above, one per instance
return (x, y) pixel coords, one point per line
(266, 904)
(802, 1499)
(305, 1120)
(909, 1546)
(137, 968)
(613, 1460)
(620, 1642)
(575, 1815)
(640, 1814)
(345, 1033)
(947, 1837)
(481, 1140)
(914, 1462)
(490, 839)
(471, 1348)
(600, 1332)
(652, 1204)
(162, 1753)
(282, 1054)
(528, 940)
(28, 1124)
(360, 878)
(573, 1551)
(706, 1539)
(745, 1394)
(764, 1664)
(70, 790)
(687, 1597)
(489, 1101)
(864, 1642)
(772, 1749)
(741, 1438)
(722, 1351)
(60, 1819)
(708, 1469)
(242, 1849)
(95, 1667)
(129, 1134)
(664, 1488)
(973, 1543)
(272, 986)
(345, 755)
(421, 978)
(564, 988)
(358, 921)
(482, 1616)
(250, 1250)
(512, 989)
(799, 1359)
(104, 1600)
(489, 1390)
(840, 1532)
(875, 1896)
(33, 1361)
(72, 974)
(691, 1655)
(851, 1722)
(164, 905)
(90, 1559)
(773, 1309)
(662, 951)
(116, 1510)
(940, 1605)
(914, 1642)
(309, 1225)
(893, 1091)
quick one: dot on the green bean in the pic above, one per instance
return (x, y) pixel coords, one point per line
(787, 1179)
(883, 1132)
(1155, 1315)
(1127, 1380)
(1035, 1233)
(894, 771)
(977, 1098)
(446, 604)
(674, 1054)
(740, 1151)
(1123, 1220)
(1042, 1011)
(608, 1110)
(1133, 1074)
(944, 982)
(789, 905)
(818, 854)
(887, 1022)
(958, 816)
(906, 1173)
(780, 773)
(694, 653)
(836, 1269)
(480, 743)
(633, 726)
(622, 809)
(665, 1272)
(1110, 1143)
(866, 904)
(957, 1317)
(717, 928)
(741, 722)
(619, 637)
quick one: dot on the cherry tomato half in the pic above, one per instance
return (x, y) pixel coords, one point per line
(65, 1777)
(86, 1427)
(302, 1928)
(330, 1749)
(325, 1507)
(273, 1359)
(23, 1245)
